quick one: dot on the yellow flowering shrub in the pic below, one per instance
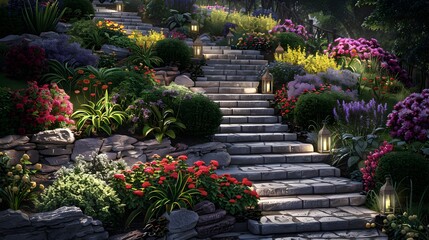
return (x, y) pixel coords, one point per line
(146, 40)
(111, 26)
(312, 63)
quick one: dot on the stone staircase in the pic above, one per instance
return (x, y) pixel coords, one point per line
(130, 20)
(301, 195)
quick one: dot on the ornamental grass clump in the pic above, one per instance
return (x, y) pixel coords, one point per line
(360, 118)
(409, 119)
(165, 184)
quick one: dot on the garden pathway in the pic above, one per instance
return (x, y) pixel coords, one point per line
(301, 195)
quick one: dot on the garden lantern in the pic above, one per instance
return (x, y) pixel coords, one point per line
(194, 26)
(324, 140)
(279, 51)
(198, 48)
(120, 6)
(267, 82)
(387, 197)
(229, 37)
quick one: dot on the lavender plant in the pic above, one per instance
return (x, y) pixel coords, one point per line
(64, 51)
(359, 117)
(302, 84)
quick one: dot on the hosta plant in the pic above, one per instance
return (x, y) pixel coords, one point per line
(105, 116)
(15, 181)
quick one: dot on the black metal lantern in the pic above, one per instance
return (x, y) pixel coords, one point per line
(229, 37)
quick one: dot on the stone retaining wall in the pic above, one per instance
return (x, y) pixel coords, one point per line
(61, 224)
(56, 148)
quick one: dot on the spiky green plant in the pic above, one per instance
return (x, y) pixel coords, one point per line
(42, 18)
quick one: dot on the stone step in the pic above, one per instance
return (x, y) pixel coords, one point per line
(251, 119)
(253, 128)
(247, 111)
(233, 66)
(281, 171)
(311, 157)
(282, 203)
(123, 19)
(367, 234)
(237, 61)
(241, 103)
(312, 220)
(231, 52)
(211, 71)
(241, 96)
(229, 78)
(108, 12)
(253, 137)
(236, 90)
(231, 56)
(215, 47)
(322, 185)
(270, 147)
(246, 84)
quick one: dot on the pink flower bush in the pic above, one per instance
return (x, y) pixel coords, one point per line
(40, 108)
(365, 49)
(371, 164)
(410, 118)
(289, 26)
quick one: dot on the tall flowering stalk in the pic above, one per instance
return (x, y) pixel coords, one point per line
(410, 118)
(371, 163)
(360, 118)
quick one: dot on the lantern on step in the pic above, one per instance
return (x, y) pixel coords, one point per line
(229, 37)
(120, 6)
(198, 48)
(267, 82)
(324, 140)
(387, 197)
(279, 51)
(194, 27)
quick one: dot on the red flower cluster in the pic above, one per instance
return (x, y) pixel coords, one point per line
(25, 62)
(42, 107)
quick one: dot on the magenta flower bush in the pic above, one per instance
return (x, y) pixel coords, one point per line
(365, 49)
(371, 163)
(289, 26)
(410, 118)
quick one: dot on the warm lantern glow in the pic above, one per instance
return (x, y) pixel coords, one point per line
(267, 82)
(324, 140)
(229, 37)
(387, 198)
(279, 50)
(195, 27)
(119, 7)
(198, 48)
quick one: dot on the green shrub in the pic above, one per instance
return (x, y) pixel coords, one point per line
(92, 195)
(200, 115)
(284, 73)
(313, 108)
(174, 51)
(77, 9)
(287, 39)
(402, 167)
(87, 34)
(6, 108)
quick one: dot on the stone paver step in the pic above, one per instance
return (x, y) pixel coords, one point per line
(281, 171)
(321, 185)
(254, 137)
(312, 220)
(269, 147)
(226, 51)
(228, 78)
(247, 111)
(367, 234)
(253, 128)
(237, 90)
(125, 19)
(231, 56)
(216, 47)
(233, 66)
(242, 103)
(251, 119)
(108, 12)
(211, 71)
(281, 203)
(311, 157)
(237, 61)
(241, 97)
(246, 84)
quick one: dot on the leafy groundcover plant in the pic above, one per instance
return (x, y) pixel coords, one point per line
(165, 184)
